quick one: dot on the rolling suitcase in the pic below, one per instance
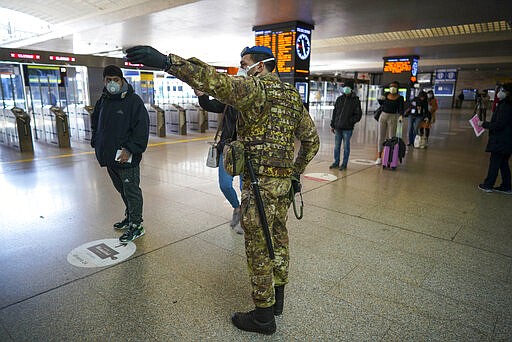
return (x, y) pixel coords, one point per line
(394, 150)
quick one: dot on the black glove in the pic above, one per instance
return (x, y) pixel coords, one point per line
(148, 56)
(296, 186)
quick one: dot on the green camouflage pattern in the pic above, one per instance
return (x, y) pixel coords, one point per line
(271, 117)
(265, 273)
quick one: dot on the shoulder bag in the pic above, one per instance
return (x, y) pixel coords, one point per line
(212, 160)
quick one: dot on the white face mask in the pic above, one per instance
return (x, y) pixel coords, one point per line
(244, 72)
(393, 90)
(501, 95)
(113, 87)
(429, 96)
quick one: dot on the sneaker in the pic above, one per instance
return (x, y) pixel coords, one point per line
(378, 161)
(134, 232)
(484, 188)
(122, 224)
(502, 190)
(333, 166)
(236, 217)
(238, 229)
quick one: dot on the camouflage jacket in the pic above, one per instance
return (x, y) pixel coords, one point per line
(271, 115)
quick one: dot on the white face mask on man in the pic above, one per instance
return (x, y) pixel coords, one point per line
(501, 95)
(244, 72)
(393, 90)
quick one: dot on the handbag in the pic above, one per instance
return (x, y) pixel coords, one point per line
(377, 113)
(212, 159)
(417, 141)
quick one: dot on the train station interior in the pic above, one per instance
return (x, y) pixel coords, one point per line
(416, 253)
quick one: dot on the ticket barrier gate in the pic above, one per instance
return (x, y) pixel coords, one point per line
(152, 119)
(61, 126)
(203, 119)
(79, 119)
(192, 117)
(175, 119)
(160, 121)
(213, 120)
(87, 117)
(15, 129)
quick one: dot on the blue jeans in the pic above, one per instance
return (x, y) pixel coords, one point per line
(345, 135)
(226, 185)
(414, 124)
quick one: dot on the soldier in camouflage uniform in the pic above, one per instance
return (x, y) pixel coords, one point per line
(271, 117)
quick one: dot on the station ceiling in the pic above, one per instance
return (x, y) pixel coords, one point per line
(349, 35)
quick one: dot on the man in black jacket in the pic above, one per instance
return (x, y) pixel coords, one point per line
(347, 112)
(120, 133)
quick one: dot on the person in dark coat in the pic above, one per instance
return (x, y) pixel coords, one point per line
(228, 133)
(500, 143)
(120, 133)
(417, 112)
(347, 112)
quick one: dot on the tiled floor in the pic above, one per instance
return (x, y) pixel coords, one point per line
(414, 254)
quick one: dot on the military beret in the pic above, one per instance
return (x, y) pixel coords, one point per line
(257, 50)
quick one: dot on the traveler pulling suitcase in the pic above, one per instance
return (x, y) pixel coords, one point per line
(394, 149)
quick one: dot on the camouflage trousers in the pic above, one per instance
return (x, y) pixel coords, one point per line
(266, 273)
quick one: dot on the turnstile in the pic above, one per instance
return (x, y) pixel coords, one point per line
(160, 121)
(15, 129)
(175, 119)
(61, 127)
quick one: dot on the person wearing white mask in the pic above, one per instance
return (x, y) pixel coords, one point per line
(120, 134)
(346, 113)
(500, 143)
(392, 104)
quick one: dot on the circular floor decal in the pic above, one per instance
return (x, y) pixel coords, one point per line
(363, 161)
(320, 177)
(101, 253)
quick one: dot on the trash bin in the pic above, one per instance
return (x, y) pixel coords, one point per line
(62, 127)
(160, 121)
(23, 129)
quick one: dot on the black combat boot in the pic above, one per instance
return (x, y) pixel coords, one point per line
(260, 320)
(278, 306)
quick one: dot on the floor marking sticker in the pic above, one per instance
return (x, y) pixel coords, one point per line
(320, 177)
(101, 253)
(363, 161)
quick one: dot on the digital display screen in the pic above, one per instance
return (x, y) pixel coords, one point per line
(402, 64)
(133, 64)
(282, 45)
(397, 65)
(292, 54)
(25, 55)
(62, 58)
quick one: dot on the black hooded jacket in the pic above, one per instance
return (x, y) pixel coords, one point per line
(347, 112)
(228, 123)
(119, 121)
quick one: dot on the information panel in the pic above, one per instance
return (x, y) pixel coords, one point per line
(402, 64)
(290, 43)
